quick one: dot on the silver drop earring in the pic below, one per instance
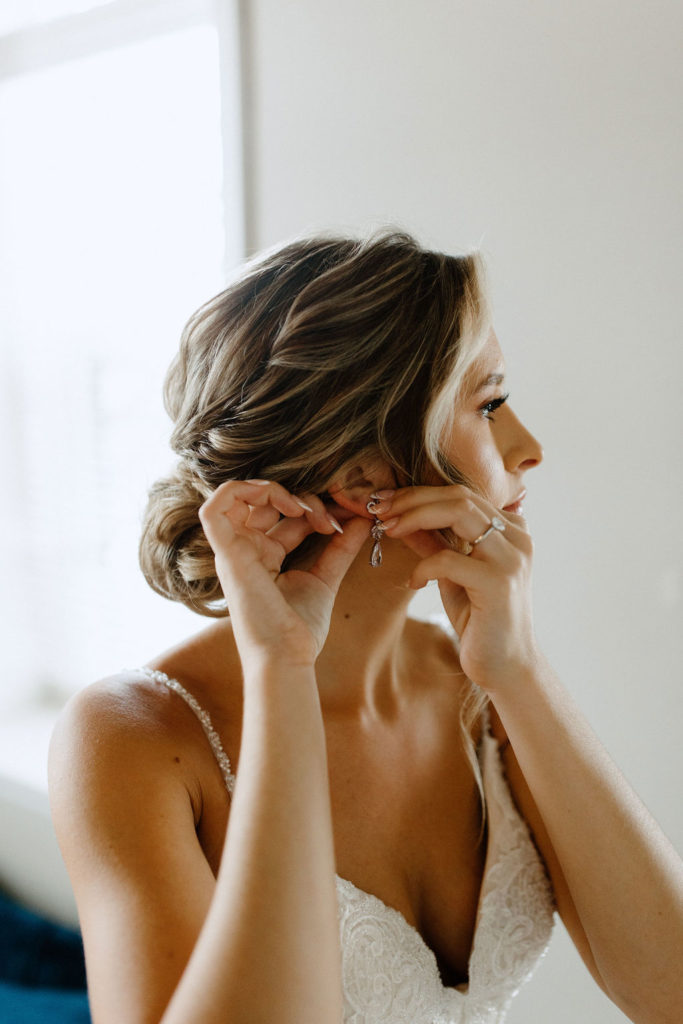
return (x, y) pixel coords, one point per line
(376, 532)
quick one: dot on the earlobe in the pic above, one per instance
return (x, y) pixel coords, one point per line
(359, 489)
(353, 488)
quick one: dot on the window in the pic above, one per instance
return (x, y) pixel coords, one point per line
(120, 213)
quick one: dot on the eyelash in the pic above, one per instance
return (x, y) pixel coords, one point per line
(489, 408)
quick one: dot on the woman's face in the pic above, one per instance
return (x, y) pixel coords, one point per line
(487, 443)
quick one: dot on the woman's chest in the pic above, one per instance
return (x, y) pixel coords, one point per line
(407, 829)
(406, 816)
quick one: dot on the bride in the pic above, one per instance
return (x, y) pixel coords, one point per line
(319, 809)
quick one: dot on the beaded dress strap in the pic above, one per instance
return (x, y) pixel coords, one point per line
(204, 719)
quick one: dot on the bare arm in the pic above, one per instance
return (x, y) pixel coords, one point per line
(164, 942)
(624, 877)
(618, 880)
(269, 949)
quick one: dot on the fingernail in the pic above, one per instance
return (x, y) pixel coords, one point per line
(390, 522)
(385, 494)
(303, 504)
(335, 523)
(258, 481)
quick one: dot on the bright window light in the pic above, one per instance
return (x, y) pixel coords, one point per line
(19, 14)
(111, 234)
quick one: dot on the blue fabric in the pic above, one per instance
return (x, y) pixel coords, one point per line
(36, 952)
(22, 1005)
(42, 970)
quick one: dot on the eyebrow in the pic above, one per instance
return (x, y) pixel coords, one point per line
(494, 378)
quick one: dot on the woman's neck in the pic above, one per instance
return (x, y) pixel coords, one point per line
(365, 665)
(362, 666)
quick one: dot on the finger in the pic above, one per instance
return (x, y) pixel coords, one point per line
(291, 532)
(247, 556)
(232, 504)
(341, 514)
(468, 518)
(318, 518)
(450, 565)
(322, 518)
(424, 542)
(314, 510)
(262, 517)
(319, 515)
(518, 522)
(273, 547)
(334, 562)
(237, 497)
(407, 498)
(462, 515)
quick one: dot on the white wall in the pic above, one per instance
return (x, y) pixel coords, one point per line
(549, 133)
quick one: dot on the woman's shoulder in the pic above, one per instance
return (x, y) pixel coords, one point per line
(456, 701)
(143, 698)
(130, 702)
(437, 627)
(119, 728)
(434, 644)
(133, 720)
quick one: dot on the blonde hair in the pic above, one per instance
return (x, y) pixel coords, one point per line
(324, 351)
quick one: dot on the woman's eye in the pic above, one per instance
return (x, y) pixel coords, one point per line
(489, 408)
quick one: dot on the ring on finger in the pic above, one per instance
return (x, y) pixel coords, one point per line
(496, 524)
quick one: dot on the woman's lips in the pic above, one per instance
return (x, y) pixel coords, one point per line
(516, 505)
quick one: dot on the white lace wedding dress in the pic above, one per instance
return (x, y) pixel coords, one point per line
(390, 975)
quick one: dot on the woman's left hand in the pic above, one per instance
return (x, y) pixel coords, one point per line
(486, 593)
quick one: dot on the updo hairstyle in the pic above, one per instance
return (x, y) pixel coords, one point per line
(323, 352)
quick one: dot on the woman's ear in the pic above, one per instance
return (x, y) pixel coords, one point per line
(354, 486)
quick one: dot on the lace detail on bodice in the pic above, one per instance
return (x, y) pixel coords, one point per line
(389, 974)
(516, 904)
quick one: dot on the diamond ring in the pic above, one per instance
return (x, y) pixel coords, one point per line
(495, 524)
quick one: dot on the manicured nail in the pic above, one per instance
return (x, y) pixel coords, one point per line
(303, 504)
(263, 482)
(391, 522)
(334, 523)
(385, 494)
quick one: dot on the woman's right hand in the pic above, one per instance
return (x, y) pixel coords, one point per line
(273, 614)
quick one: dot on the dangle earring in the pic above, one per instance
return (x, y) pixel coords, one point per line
(376, 532)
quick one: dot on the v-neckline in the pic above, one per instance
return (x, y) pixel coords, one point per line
(230, 778)
(462, 987)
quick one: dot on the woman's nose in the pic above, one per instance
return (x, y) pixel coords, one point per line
(524, 451)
